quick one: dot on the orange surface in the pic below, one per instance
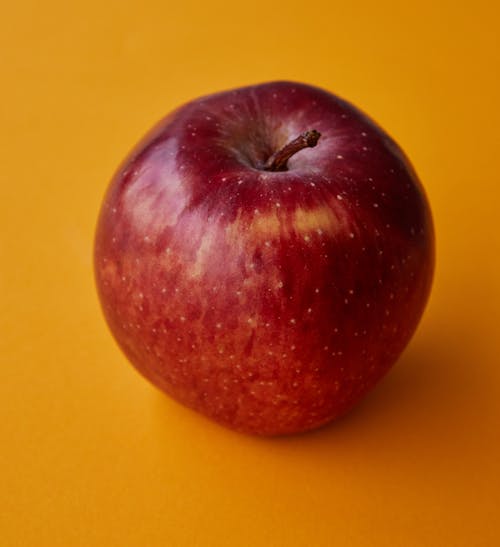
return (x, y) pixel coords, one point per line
(93, 455)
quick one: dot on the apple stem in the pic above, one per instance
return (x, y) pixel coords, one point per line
(278, 161)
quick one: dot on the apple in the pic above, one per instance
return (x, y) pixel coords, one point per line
(264, 255)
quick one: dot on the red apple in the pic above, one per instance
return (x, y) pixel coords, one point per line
(266, 286)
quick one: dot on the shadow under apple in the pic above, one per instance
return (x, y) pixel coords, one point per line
(430, 372)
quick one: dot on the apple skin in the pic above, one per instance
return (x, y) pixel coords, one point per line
(271, 302)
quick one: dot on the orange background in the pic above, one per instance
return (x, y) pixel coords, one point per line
(90, 453)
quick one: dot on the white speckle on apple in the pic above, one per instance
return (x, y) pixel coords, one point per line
(340, 157)
(307, 238)
(325, 348)
(363, 134)
(219, 325)
(339, 197)
(351, 235)
(280, 284)
(309, 310)
(267, 243)
(316, 290)
(278, 204)
(293, 321)
(293, 349)
(375, 205)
